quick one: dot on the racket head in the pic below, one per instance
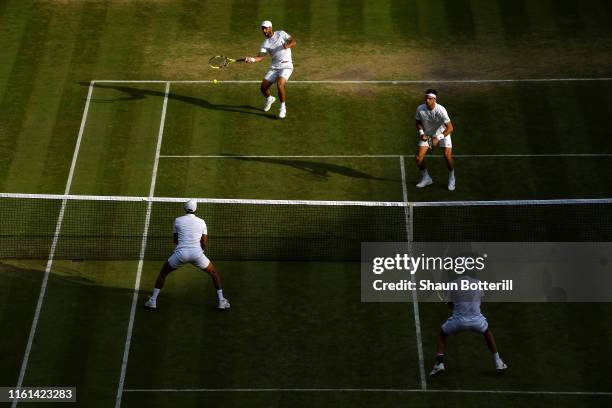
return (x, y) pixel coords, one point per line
(218, 61)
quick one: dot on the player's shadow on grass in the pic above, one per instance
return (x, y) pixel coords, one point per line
(137, 94)
(315, 168)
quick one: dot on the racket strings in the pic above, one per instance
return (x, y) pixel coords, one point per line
(218, 62)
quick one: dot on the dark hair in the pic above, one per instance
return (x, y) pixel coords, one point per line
(431, 91)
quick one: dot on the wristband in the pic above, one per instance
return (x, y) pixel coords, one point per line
(421, 133)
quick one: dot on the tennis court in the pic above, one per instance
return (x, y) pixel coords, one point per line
(111, 141)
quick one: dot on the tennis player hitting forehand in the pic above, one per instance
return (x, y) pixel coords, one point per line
(278, 44)
(190, 237)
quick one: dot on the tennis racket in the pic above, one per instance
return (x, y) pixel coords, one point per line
(220, 61)
(427, 138)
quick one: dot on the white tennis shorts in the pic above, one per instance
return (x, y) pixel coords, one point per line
(456, 324)
(273, 74)
(444, 141)
(195, 257)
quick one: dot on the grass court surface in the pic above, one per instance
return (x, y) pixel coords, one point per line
(297, 334)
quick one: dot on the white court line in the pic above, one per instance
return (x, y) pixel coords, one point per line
(415, 301)
(58, 227)
(143, 246)
(395, 156)
(376, 390)
(387, 81)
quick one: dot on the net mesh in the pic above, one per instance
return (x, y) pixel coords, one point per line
(112, 228)
(585, 221)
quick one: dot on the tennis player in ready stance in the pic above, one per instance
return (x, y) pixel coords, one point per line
(466, 316)
(191, 239)
(278, 44)
(435, 128)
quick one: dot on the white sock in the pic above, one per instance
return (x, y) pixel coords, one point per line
(155, 293)
(424, 173)
(451, 173)
(220, 294)
(496, 357)
(282, 105)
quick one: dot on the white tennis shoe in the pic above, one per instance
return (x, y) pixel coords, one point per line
(223, 304)
(451, 183)
(282, 113)
(437, 368)
(500, 365)
(269, 101)
(150, 304)
(425, 181)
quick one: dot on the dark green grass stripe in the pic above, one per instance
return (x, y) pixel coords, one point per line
(13, 22)
(3, 5)
(432, 21)
(181, 124)
(298, 19)
(515, 20)
(243, 20)
(567, 16)
(350, 20)
(596, 130)
(13, 106)
(18, 294)
(605, 8)
(85, 303)
(192, 15)
(59, 154)
(460, 18)
(404, 18)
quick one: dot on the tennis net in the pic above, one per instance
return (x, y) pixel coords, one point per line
(113, 228)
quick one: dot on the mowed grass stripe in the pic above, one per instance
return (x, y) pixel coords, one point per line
(128, 32)
(556, 348)
(404, 19)
(119, 143)
(78, 341)
(432, 21)
(542, 18)
(514, 18)
(311, 329)
(33, 142)
(325, 14)
(185, 122)
(487, 22)
(460, 19)
(73, 97)
(14, 19)
(298, 20)
(18, 294)
(18, 94)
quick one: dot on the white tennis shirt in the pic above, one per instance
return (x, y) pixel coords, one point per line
(190, 230)
(434, 121)
(281, 57)
(466, 303)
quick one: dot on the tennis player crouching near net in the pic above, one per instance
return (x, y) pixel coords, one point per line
(191, 239)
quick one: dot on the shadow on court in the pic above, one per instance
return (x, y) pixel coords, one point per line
(318, 169)
(137, 94)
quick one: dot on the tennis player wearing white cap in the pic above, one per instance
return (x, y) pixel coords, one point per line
(278, 44)
(433, 123)
(191, 239)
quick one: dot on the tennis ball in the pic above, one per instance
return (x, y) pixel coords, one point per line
(215, 81)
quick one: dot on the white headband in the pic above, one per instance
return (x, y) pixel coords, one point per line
(431, 95)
